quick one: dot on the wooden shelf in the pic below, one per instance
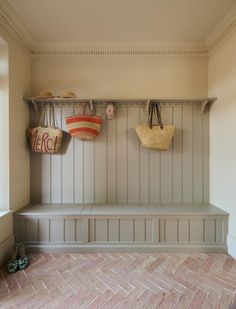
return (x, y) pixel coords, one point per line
(63, 102)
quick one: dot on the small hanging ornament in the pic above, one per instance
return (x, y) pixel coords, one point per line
(110, 111)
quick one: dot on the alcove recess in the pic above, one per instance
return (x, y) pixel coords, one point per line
(112, 194)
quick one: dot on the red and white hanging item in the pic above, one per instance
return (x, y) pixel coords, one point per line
(110, 111)
(86, 125)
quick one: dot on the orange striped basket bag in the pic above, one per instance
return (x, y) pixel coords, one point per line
(86, 126)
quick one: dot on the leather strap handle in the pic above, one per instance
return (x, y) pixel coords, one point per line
(150, 115)
(158, 115)
(154, 107)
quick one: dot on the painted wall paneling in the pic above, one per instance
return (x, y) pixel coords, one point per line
(115, 168)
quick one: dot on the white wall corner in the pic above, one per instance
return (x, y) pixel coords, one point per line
(222, 31)
(231, 243)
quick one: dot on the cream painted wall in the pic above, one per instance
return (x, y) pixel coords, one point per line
(122, 77)
(19, 166)
(115, 77)
(222, 83)
(4, 126)
(19, 85)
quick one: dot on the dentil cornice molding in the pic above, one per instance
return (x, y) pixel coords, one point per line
(119, 52)
(15, 28)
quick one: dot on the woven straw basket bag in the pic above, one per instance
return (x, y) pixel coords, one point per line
(155, 136)
(86, 126)
(46, 137)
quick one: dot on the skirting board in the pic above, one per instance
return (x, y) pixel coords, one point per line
(6, 248)
(126, 248)
(231, 242)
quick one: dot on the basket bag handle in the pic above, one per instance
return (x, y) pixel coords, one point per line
(154, 107)
(84, 109)
(52, 120)
(42, 119)
(47, 117)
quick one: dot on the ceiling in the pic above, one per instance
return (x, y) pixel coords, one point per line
(121, 20)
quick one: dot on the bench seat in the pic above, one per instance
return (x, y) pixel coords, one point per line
(120, 227)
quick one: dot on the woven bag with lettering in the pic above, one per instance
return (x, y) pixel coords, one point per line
(46, 137)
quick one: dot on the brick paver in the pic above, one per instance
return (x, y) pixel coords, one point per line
(122, 280)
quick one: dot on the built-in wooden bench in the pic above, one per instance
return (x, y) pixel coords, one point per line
(150, 227)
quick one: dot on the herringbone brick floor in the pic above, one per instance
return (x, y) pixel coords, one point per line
(127, 280)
